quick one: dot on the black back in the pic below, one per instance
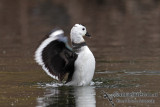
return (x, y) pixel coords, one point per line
(58, 59)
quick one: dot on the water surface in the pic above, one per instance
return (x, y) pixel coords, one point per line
(125, 42)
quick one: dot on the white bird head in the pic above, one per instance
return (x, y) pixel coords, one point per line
(77, 33)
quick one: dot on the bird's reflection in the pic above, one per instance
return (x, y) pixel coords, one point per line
(85, 96)
(68, 97)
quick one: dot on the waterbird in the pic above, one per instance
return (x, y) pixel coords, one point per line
(57, 58)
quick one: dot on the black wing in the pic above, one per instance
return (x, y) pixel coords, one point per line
(55, 57)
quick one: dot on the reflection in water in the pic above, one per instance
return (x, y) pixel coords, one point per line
(125, 41)
(85, 96)
(68, 97)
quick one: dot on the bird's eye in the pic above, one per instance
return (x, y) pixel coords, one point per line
(83, 28)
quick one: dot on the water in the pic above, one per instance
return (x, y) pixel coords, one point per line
(125, 41)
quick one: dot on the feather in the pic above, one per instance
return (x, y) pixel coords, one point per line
(55, 56)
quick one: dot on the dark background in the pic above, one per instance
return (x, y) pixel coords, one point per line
(125, 42)
(128, 23)
(119, 28)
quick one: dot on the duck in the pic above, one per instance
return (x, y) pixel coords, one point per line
(58, 59)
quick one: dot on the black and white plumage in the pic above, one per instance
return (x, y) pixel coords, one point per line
(57, 58)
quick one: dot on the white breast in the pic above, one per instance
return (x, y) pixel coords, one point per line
(84, 68)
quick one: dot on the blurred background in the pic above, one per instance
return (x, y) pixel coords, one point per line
(125, 37)
(118, 27)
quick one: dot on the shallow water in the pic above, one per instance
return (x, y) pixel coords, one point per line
(125, 42)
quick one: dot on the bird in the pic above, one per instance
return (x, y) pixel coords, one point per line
(58, 59)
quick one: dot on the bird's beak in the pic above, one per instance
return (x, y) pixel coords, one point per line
(87, 34)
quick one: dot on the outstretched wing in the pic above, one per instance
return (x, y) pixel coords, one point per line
(55, 57)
